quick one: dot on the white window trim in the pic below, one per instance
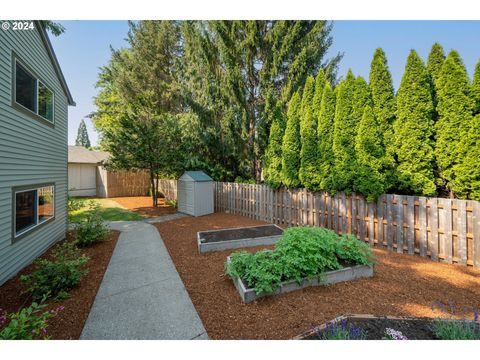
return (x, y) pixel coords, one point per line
(37, 80)
(37, 221)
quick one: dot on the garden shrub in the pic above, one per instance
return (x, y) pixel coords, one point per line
(27, 324)
(447, 329)
(92, 228)
(54, 278)
(302, 252)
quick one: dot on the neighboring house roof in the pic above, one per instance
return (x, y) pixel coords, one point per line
(81, 155)
(198, 176)
(54, 60)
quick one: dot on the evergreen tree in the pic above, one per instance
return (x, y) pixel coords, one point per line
(476, 88)
(82, 136)
(308, 135)
(273, 154)
(325, 140)
(413, 129)
(307, 95)
(371, 175)
(345, 128)
(361, 98)
(455, 109)
(291, 146)
(467, 171)
(320, 82)
(436, 58)
(384, 108)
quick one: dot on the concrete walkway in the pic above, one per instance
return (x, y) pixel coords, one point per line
(141, 295)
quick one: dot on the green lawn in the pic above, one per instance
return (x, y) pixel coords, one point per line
(109, 209)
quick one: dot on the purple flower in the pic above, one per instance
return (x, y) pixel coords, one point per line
(43, 331)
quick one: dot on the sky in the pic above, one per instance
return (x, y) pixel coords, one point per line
(85, 47)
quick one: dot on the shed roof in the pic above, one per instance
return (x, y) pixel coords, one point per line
(198, 176)
(80, 154)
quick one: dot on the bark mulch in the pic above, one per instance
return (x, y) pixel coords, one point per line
(403, 285)
(68, 324)
(143, 205)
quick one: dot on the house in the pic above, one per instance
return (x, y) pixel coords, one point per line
(34, 100)
(88, 177)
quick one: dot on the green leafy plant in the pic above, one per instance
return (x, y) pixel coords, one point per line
(27, 324)
(172, 203)
(449, 329)
(352, 251)
(302, 252)
(91, 228)
(54, 278)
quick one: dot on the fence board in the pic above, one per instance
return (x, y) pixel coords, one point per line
(411, 225)
(447, 209)
(371, 224)
(390, 227)
(361, 214)
(380, 203)
(476, 234)
(461, 231)
(422, 225)
(354, 214)
(399, 229)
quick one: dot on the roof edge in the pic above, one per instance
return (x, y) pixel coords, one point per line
(53, 58)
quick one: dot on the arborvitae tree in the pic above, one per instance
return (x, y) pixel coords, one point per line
(413, 129)
(82, 136)
(320, 81)
(361, 98)
(291, 144)
(371, 175)
(308, 134)
(273, 154)
(308, 93)
(384, 107)
(435, 61)
(345, 128)
(455, 108)
(467, 179)
(325, 140)
(476, 88)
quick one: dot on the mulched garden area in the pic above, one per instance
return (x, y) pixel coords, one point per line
(143, 205)
(68, 324)
(403, 285)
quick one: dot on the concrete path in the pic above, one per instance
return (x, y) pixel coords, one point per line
(141, 295)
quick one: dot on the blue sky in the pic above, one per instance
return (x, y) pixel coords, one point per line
(85, 47)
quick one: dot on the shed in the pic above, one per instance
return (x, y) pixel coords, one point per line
(195, 193)
(82, 170)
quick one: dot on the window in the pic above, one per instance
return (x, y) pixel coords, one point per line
(33, 207)
(32, 94)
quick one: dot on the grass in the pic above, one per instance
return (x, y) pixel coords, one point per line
(109, 211)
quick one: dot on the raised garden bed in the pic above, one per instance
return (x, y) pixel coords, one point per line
(374, 327)
(330, 277)
(236, 238)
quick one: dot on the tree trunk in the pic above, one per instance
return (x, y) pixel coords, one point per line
(154, 191)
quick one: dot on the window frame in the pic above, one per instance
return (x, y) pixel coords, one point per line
(17, 236)
(34, 114)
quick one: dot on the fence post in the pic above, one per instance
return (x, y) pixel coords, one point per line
(380, 220)
(399, 224)
(447, 207)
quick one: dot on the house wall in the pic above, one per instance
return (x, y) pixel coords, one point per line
(82, 179)
(31, 152)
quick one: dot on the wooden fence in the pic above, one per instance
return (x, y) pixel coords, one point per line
(446, 230)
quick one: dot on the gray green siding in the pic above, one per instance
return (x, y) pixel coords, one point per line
(31, 151)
